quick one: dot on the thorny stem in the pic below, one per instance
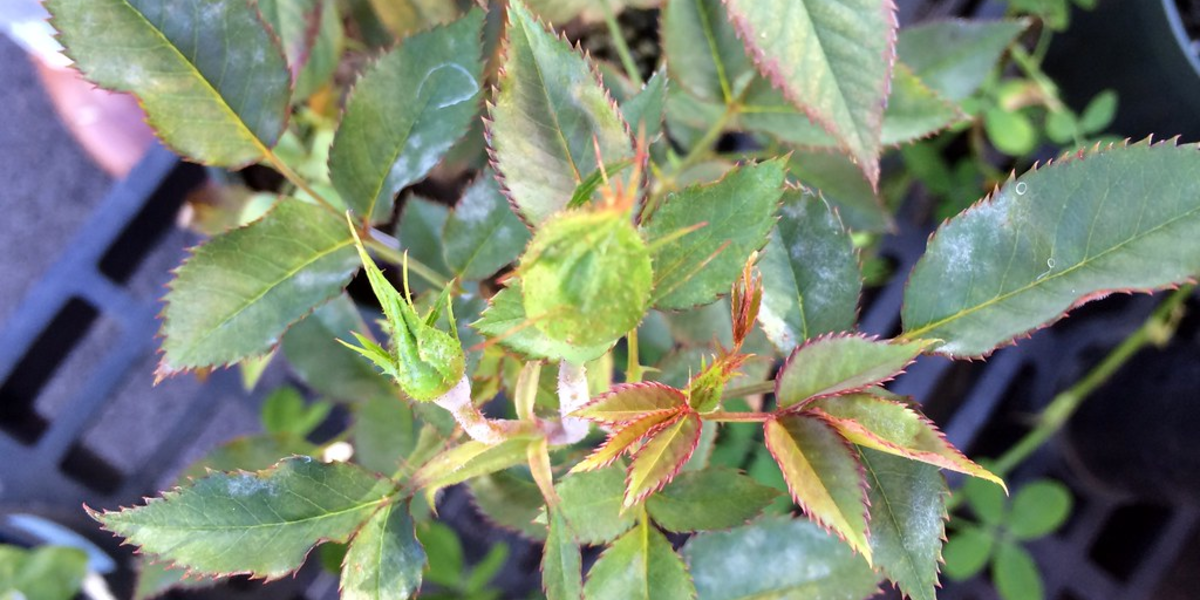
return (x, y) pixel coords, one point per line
(736, 417)
(633, 370)
(473, 422)
(618, 39)
(572, 396)
(1157, 331)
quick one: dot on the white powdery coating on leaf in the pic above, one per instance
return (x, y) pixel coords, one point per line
(247, 484)
(572, 396)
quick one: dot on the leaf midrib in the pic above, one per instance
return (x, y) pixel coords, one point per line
(282, 523)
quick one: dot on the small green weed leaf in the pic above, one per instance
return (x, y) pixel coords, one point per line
(384, 432)
(842, 184)
(591, 503)
(385, 559)
(954, 57)
(510, 502)
(550, 115)
(777, 558)
(406, 111)
(444, 552)
(1015, 574)
(987, 500)
(1099, 113)
(897, 429)
(1010, 131)
(640, 566)
(241, 290)
(967, 552)
(713, 498)
(661, 457)
(482, 234)
(562, 564)
(734, 216)
(1038, 509)
(261, 523)
(908, 521)
(324, 55)
(505, 319)
(213, 82)
(285, 412)
(314, 354)
(419, 231)
(840, 364)
(42, 573)
(468, 460)
(1126, 218)
(811, 277)
(628, 402)
(703, 54)
(644, 111)
(844, 87)
(823, 475)
(913, 112)
(586, 278)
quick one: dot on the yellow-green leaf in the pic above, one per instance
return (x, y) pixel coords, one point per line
(628, 402)
(640, 566)
(840, 364)
(385, 559)
(661, 457)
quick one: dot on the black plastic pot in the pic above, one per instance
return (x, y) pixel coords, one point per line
(1141, 49)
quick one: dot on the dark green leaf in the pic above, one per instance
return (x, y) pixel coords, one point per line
(240, 291)
(420, 233)
(384, 433)
(954, 57)
(591, 503)
(735, 216)
(325, 54)
(823, 475)
(482, 234)
(312, 349)
(43, 573)
(908, 521)
(385, 559)
(1015, 574)
(703, 54)
(1038, 509)
(249, 453)
(562, 565)
(833, 365)
(644, 111)
(1127, 218)
(550, 116)
(294, 24)
(803, 49)
(258, 523)
(714, 498)
(811, 276)
(842, 184)
(505, 319)
(445, 554)
(407, 110)
(639, 566)
(777, 558)
(511, 502)
(212, 81)
(155, 579)
(967, 552)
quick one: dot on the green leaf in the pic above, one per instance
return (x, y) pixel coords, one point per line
(841, 183)
(505, 319)
(420, 233)
(1121, 219)
(840, 364)
(591, 504)
(897, 429)
(1010, 131)
(823, 475)
(403, 17)
(324, 55)
(482, 234)
(1038, 509)
(967, 552)
(661, 457)
(385, 559)
(639, 566)
(314, 354)
(562, 564)
(445, 554)
(987, 500)
(734, 216)
(1015, 574)
(644, 111)
(630, 401)
(843, 86)
(384, 433)
(155, 579)
(811, 276)
(42, 573)
(406, 111)
(238, 293)
(468, 460)
(295, 25)
(214, 85)
(954, 57)
(703, 54)
(285, 412)
(249, 453)
(261, 523)
(908, 521)
(1099, 113)
(511, 502)
(551, 114)
(714, 498)
(777, 558)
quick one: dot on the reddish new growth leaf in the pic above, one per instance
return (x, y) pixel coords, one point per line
(625, 439)
(745, 301)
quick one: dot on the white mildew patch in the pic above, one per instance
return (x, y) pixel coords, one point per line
(453, 80)
(246, 484)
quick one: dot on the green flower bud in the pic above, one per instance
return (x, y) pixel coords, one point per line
(586, 277)
(425, 361)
